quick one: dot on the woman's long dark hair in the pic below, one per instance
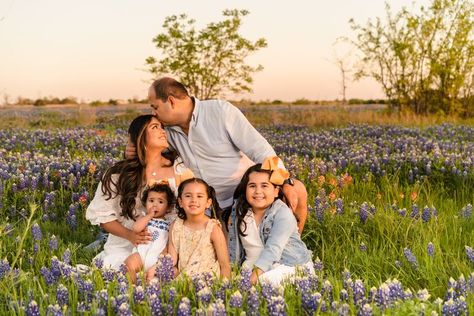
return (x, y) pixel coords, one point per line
(242, 205)
(211, 194)
(130, 171)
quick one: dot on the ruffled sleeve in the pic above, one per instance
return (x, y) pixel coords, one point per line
(101, 210)
(181, 171)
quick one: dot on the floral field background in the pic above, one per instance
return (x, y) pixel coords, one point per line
(390, 224)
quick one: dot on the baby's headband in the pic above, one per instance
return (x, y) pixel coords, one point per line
(278, 175)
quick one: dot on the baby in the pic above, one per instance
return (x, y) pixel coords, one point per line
(158, 200)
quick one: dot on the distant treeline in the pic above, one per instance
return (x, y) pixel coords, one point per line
(302, 101)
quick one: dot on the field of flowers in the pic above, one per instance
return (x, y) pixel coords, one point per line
(390, 226)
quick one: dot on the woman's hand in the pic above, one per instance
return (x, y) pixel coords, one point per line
(130, 150)
(137, 238)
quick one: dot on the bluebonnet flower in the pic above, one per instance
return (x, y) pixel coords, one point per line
(372, 294)
(221, 291)
(426, 214)
(54, 310)
(398, 263)
(339, 206)
(32, 309)
(244, 280)
(253, 302)
(396, 290)
(102, 297)
(153, 288)
(462, 287)
(165, 269)
(415, 212)
(402, 212)
(311, 301)
(327, 290)
(155, 305)
(410, 257)
(71, 216)
(362, 247)
(184, 307)
(62, 295)
(36, 232)
(236, 300)
(470, 282)
(276, 306)
(430, 249)
(423, 295)
(123, 287)
(449, 308)
(217, 308)
(318, 264)
(98, 263)
(53, 243)
(366, 310)
(124, 310)
(172, 294)
(346, 274)
(466, 211)
(407, 294)
(364, 212)
(204, 295)
(138, 294)
(451, 294)
(108, 274)
(67, 256)
(470, 253)
(343, 295)
(358, 292)
(4, 268)
(343, 310)
(382, 298)
(47, 275)
(461, 306)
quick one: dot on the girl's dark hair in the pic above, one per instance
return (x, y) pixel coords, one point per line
(160, 188)
(211, 194)
(242, 205)
(130, 171)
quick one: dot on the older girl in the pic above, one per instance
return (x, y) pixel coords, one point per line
(264, 227)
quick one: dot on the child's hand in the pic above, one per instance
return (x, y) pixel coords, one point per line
(255, 274)
(142, 237)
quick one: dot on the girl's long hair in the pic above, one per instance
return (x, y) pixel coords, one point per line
(130, 171)
(242, 206)
(211, 194)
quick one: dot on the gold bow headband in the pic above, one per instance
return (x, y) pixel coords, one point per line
(278, 175)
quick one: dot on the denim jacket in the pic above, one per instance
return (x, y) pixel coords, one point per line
(279, 233)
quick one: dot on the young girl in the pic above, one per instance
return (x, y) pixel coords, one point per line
(158, 200)
(196, 242)
(265, 227)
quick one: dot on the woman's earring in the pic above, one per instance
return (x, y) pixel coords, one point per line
(145, 147)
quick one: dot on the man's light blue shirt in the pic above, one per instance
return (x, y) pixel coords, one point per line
(220, 146)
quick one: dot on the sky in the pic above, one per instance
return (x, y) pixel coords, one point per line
(96, 49)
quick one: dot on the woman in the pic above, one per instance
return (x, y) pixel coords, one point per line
(116, 203)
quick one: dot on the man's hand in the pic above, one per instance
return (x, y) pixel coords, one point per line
(130, 150)
(142, 237)
(291, 196)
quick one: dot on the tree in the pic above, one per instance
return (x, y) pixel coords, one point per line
(210, 61)
(424, 61)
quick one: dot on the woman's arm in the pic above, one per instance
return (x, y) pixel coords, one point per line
(220, 246)
(117, 229)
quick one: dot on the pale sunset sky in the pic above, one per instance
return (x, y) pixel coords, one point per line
(96, 49)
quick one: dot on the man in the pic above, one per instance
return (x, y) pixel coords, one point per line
(216, 141)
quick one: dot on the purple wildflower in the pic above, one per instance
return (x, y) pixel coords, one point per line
(253, 302)
(318, 264)
(245, 284)
(415, 212)
(449, 308)
(67, 256)
(462, 287)
(430, 249)
(165, 269)
(36, 232)
(364, 212)
(410, 257)
(311, 302)
(184, 307)
(204, 295)
(124, 310)
(423, 295)
(54, 310)
(362, 247)
(236, 300)
(343, 295)
(470, 253)
(276, 306)
(4, 268)
(466, 211)
(32, 309)
(426, 214)
(155, 305)
(53, 243)
(339, 206)
(358, 292)
(402, 212)
(62, 295)
(343, 310)
(138, 294)
(365, 311)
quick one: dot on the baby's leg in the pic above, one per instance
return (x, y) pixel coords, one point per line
(150, 273)
(301, 212)
(134, 265)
